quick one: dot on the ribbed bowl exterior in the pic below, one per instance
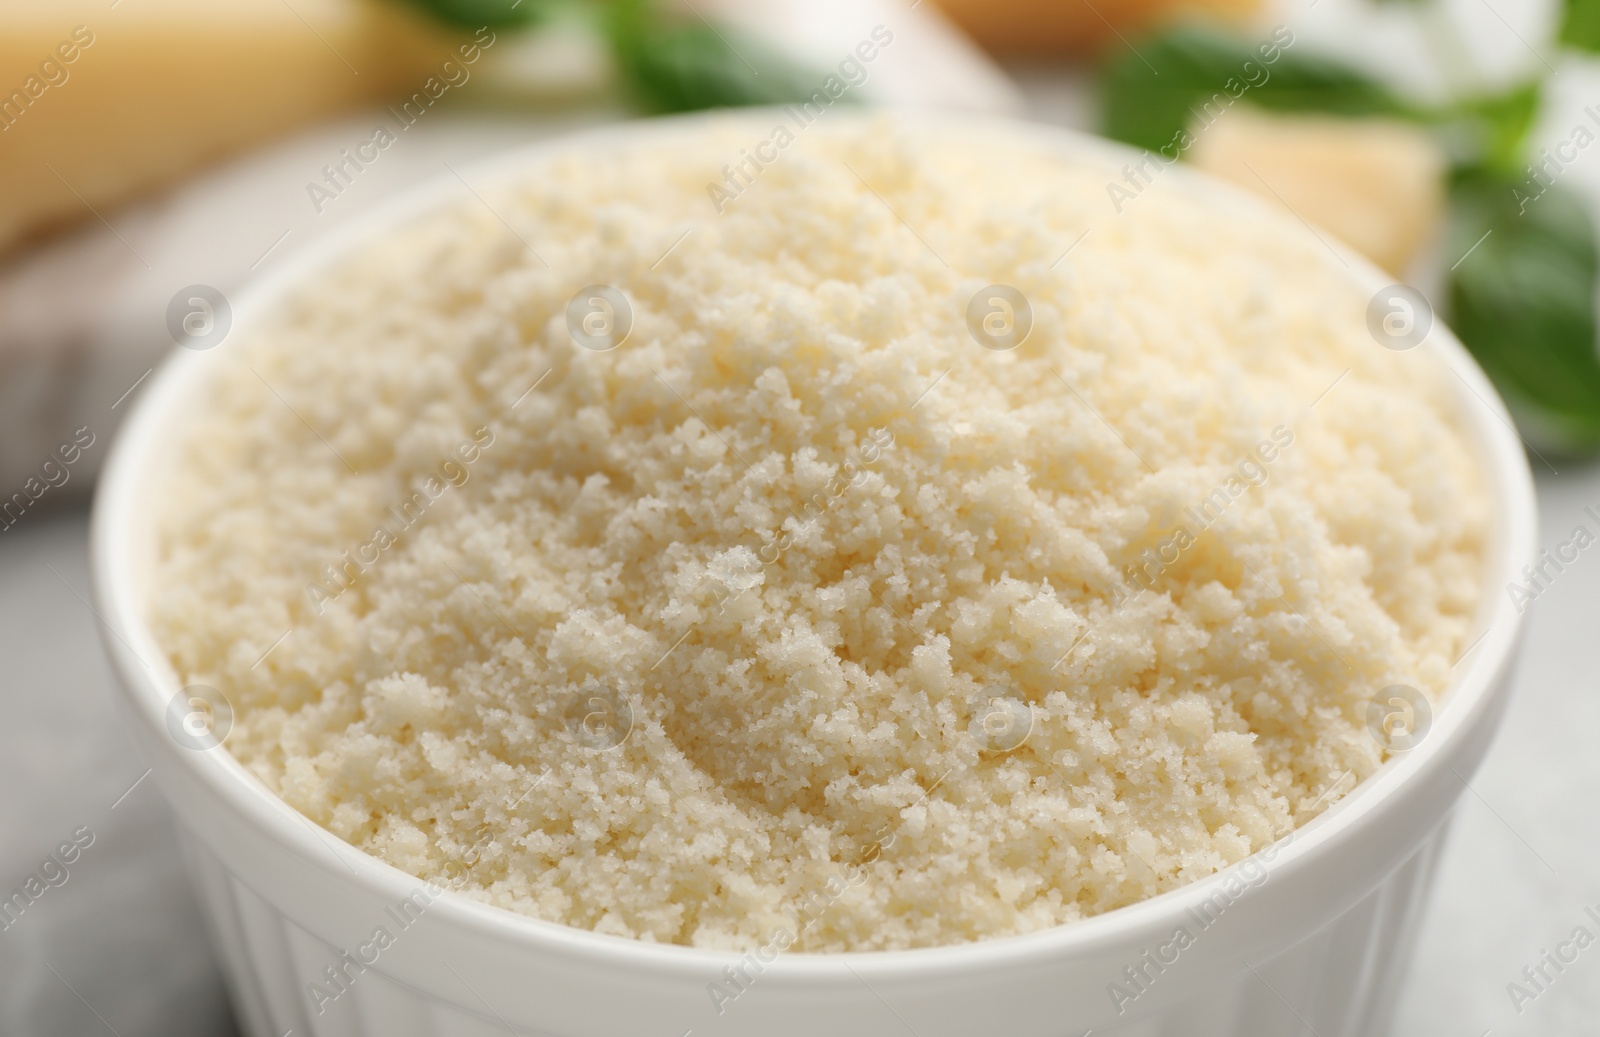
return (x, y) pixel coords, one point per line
(1339, 982)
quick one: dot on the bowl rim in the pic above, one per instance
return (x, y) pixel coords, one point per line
(148, 682)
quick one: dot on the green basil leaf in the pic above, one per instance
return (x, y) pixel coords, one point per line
(1159, 85)
(1580, 24)
(476, 14)
(1523, 301)
(680, 64)
(1500, 124)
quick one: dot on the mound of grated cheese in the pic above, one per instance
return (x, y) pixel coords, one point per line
(804, 610)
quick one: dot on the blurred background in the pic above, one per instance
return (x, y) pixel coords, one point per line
(157, 154)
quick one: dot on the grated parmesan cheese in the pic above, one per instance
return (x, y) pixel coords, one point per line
(801, 617)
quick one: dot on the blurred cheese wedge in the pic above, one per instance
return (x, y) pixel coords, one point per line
(100, 101)
(1076, 26)
(1376, 184)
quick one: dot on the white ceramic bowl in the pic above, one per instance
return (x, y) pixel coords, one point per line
(1319, 942)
